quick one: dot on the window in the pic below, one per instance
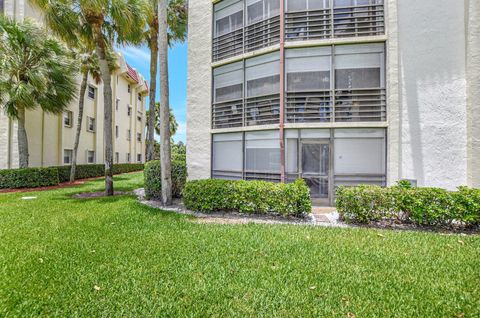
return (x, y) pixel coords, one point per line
(139, 97)
(139, 116)
(304, 5)
(308, 69)
(263, 75)
(228, 82)
(117, 104)
(258, 10)
(139, 158)
(139, 137)
(90, 156)
(262, 152)
(227, 156)
(129, 89)
(67, 156)
(90, 124)
(129, 134)
(228, 16)
(117, 157)
(116, 131)
(91, 92)
(129, 110)
(128, 157)
(67, 118)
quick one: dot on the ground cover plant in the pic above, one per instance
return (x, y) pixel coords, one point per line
(113, 257)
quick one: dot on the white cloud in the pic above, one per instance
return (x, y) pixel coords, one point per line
(136, 53)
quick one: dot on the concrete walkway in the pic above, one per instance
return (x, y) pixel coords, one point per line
(321, 216)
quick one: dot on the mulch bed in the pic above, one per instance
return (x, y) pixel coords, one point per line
(93, 195)
(59, 186)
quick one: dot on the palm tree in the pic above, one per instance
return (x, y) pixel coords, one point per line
(177, 27)
(89, 65)
(156, 121)
(103, 22)
(35, 71)
(165, 150)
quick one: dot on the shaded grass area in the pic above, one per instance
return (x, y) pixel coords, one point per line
(55, 250)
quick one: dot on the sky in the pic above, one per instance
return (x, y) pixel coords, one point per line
(139, 58)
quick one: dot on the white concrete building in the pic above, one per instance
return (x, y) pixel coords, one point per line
(51, 137)
(338, 92)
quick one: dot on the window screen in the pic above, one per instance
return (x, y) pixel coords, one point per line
(359, 66)
(228, 16)
(359, 151)
(258, 10)
(304, 5)
(351, 3)
(228, 152)
(308, 69)
(262, 151)
(263, 75)
(228, 82)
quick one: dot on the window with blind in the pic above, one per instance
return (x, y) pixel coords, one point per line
(228, 96)
(227, 157)
(262, 155)
(228, 29)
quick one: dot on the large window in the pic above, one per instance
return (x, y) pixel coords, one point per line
(258, 10)
(227, 159)
(228, 96)
(262, 155)
(228, 29)
(263, 86)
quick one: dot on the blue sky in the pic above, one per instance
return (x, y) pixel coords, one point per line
(139, 58)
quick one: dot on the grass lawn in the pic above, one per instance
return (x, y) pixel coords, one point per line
(55, 250)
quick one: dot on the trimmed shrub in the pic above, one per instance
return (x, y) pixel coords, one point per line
(421, 206)
(28, 178)
(259, 197)
(153, 181)
(96, 170)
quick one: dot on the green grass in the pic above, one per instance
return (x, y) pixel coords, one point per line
(55, 249)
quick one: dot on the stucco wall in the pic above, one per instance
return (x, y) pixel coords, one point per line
(433, 142)
(199, 89)
(473, 90)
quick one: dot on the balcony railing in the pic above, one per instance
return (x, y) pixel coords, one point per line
(360, 105)
(354, 21)
(227, 174)
(228, 45)
(308, 25)
(262, 110)
(264, 176)
(227, 114)
(308, 107)
(262, 34)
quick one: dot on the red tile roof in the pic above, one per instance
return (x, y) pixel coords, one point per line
(132, 73)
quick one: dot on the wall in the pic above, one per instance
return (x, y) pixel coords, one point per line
(432, 84)
(199, 89)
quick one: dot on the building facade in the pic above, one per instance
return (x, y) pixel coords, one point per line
(51, 137)
(338, 92)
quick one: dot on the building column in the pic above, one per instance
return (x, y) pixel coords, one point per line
(472, 17)
(282, 90)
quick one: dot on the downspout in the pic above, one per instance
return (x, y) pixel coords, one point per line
(282, 90)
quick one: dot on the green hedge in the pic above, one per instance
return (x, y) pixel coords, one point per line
(96, 170)
(153, 183)
(28, 178)
(421, 206)
(248, 196)
(42, 177)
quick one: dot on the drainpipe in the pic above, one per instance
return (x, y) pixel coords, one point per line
(282, 90)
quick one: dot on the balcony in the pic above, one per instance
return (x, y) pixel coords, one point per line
(227, 114)
(360, 105)
(262, 110)
(363, 20)
(308, 107)
(228, 45)
(308, 25)
(262, 34)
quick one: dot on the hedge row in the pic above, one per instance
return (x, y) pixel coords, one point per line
(153, 181)
(421, 206)
(248, 197)
(96, 170)
(28, 178)
(51, 176)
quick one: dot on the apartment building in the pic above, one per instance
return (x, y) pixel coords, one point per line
(337, 92)
(51, 137)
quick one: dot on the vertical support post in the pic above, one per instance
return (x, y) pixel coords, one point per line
(282, 90)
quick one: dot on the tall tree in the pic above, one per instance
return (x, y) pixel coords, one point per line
(89, 65)
(106, 22)
(177, 27)
(165, 150)
(35, 71)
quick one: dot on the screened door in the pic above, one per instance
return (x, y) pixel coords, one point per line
(315, 159)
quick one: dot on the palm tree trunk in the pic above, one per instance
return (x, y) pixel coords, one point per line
(100, 50)
(81, 102)
(165, 151)
(22, 139)
(153, 86)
